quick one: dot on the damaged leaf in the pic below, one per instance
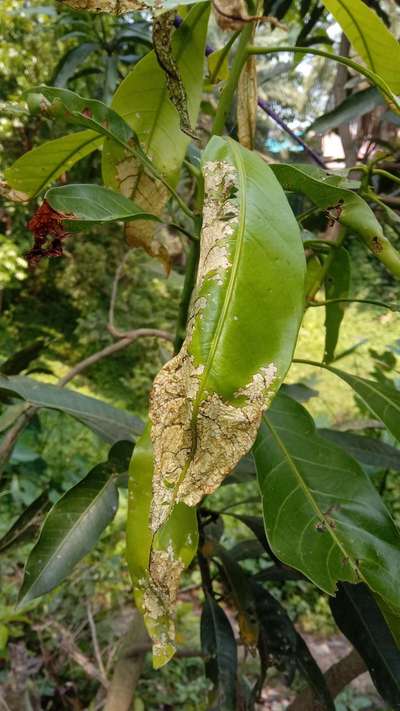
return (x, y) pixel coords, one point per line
(156, 562)
(207, 402)
(322, 514)
(142, 100)
(247, 102)
(340, 205)
(163, 30)
(119, 7)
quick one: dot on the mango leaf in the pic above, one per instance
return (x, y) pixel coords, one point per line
(71, 60)
(337, 286)
(217, 387)
(280, 639)
(142, 99)
(119, 7)
(74, 525)
(322, 514)
(368, 451)
(87, 204)
(370, 37)
(20, 360)
(342, 205)
(354, 106)
(156, 560)
(26, 523)
(219, 648)
(91, 113)
(359, 618)
(246, 107)
(242, 596)
(382, 400)
(110, 423)
(41, 166)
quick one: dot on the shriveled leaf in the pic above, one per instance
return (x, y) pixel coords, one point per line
(207, 402)
(156, 561)
(368, 451)
(219, 648)
(25, 525)
(337, 286)
(72, 527)
(382, 400)
(110, 423)
(281, 641)
(322, 514)
(246, 110)
(119, 7)
(342, 205)
(354, 106)
(359, 618)
(41, 166)
(370, 37)
(86, 204)
(143, 101)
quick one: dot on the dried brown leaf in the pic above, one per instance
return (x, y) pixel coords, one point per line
(247, 104)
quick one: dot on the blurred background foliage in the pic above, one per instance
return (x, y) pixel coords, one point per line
(62, 306)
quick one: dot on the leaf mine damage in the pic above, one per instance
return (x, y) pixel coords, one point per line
(198, 436)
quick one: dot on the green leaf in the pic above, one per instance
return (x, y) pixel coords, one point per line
(382, 400)
(280, 639)
(71, 529)
(26, 523)
(227, 370)
(142, 100)
(322, 514)
(343, 205)
(337, 286)
(41, 166)
(368, 451)
(91, 113)
(21, 359)
(156, 561)
(86, 204)
(110, 423)
(370, 37)
(354, 106)
(71, 60)
(359, 618)
(219, 648)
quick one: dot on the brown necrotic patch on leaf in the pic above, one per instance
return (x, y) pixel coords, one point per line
(151, 195)
(199, 437)
(48, 230)
(113, 7)
(163, 30)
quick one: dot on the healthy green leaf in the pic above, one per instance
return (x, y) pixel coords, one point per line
(354, 106)
(343, 205)
(85, 204)
(368, 451)
(71, 60)
(156, 560)
(322, 514)
(227, 371)
(219, 648)
(337, 286)
(72, 527)
(370, 38)
(110, 423)
(359, 618)
(382, 400)
(41, 166)
(280, 639)
(26, 523)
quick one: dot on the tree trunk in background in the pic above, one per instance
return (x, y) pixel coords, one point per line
(128, 667)
(350, 145)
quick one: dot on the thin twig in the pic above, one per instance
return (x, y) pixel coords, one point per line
(96, 646)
